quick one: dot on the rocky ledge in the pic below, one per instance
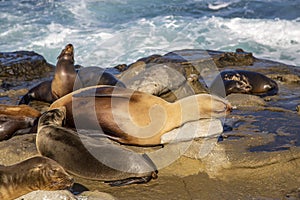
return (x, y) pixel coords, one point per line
(256, 157)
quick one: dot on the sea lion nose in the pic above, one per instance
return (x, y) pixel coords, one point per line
(229, 108)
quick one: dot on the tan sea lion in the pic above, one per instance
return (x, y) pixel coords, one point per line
(66, 79)
(16, 118)
(89, 158)
(133, 117)
(36, 173)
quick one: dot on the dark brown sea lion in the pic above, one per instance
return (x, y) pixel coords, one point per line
(248, 82)
(16, 118)
(36, 173)
(134, 117)
(90, 158)
(66, 79)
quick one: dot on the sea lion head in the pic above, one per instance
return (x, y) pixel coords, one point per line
(53, 117)
(67, 53)
(212, 106)
(232, 86)
(47, 174)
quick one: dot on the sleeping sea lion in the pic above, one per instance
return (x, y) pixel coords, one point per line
(249, 82)
(66, 76)
(36, 173)
(133, 117)
(16, 118)
(90, 158)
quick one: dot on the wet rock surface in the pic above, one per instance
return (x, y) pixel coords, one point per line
(23, 65)
(257, 156)
(66, 195)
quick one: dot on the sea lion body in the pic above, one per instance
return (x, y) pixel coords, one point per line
(37, 173)
(66, 79)
(134, 117)
(16, 118)
(65, 73)
(249, 82)
(40, 92)
(91, 76)
(89, 158)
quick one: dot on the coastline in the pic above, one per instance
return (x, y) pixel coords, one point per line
(258, 157)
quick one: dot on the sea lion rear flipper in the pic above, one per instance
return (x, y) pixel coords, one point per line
(25, 99)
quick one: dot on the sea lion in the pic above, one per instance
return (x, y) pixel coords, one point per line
(248, 82)
(65, 73)
(90, 158)
(133, 117)
(66, 76)
(16, 118)
(36, 173)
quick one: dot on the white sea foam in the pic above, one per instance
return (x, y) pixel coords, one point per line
(57, 34)
(218, 5)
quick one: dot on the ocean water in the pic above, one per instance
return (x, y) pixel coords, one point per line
(110, 32)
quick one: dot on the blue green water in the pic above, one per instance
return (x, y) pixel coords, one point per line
(106, 33)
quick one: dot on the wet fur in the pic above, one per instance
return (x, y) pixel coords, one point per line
(16, 118)
(248, 82)
(65, 146)
(37, 173)
(66, 79)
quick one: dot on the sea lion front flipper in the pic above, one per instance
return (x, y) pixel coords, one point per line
(25, 99)
(129, 181)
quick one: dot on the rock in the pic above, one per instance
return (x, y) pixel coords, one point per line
(17, 149)
(245, 100)
(66, 195)
(13, 93)
(159, 80)
(95, 195)
(203, 128)
(49, 195)
(286, 78)
(23, 65)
